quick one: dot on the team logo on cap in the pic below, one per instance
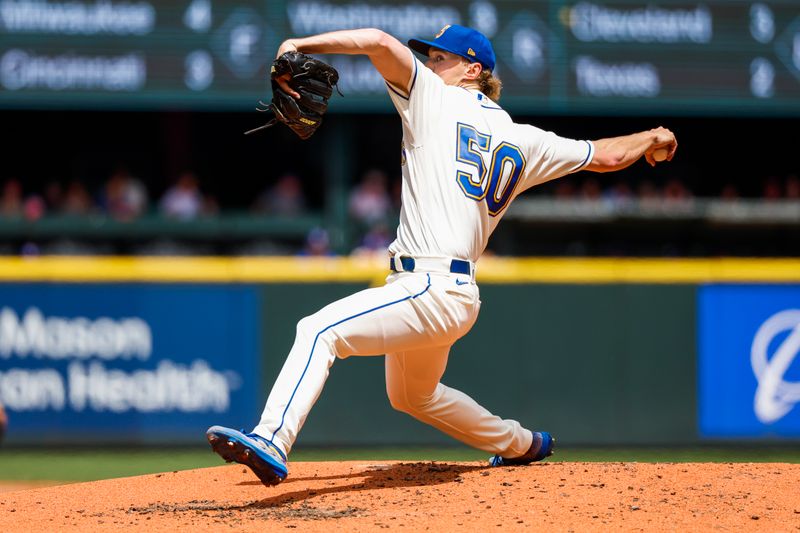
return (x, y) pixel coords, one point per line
(441, 31)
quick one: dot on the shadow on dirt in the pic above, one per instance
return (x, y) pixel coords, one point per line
(377, 477)
(300, 504)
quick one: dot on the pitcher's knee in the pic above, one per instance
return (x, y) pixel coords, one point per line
(409, 402)
(313, 327)
(307, 327)
(397, 399)
(313, 331)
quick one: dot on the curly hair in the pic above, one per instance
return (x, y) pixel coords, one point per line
(490, 85)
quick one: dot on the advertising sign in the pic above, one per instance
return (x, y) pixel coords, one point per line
(127, 363)
(749, 369)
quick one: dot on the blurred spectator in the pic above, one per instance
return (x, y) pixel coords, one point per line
(792, 187)
(675, 191)
(30, 249)
(183, 200)
(124, 196)
(620, 192)
(375, 242)
(565, 189)
(369, 201)
(729, 192)
(210, 205)
(772, 189)
(11, 201)
(285, 198)
(590, 189)
(76, 200)
(318, 243)
(34, 207)
(53, 196)
(647, 190)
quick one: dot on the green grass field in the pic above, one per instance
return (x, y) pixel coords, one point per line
(92, 464)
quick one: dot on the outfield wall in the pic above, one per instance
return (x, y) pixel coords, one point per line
(598, 351)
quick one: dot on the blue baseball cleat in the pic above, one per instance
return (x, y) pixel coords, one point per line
(541, 447)
(254, 451)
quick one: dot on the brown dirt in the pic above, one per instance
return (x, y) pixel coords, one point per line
(368, 496)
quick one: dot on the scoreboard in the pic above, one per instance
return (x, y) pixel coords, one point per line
(730, 57)
(133, 54)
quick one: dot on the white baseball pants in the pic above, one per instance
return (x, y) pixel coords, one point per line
(414, 319)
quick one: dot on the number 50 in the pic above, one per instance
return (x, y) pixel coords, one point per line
(480, 183)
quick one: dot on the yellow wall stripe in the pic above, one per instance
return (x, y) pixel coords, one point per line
(490, 270)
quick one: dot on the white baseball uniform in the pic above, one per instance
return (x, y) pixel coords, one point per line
(464, 161)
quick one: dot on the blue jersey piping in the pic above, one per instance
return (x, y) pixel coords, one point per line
(413, 81)
(587, 155)
(314, 345)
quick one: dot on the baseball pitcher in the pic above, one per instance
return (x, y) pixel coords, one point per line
(464, 161)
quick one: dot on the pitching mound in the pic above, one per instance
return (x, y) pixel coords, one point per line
(366, 496)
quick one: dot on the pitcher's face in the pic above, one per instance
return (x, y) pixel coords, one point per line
(450, 67)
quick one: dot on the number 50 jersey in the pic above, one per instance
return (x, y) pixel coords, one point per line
(464, 161)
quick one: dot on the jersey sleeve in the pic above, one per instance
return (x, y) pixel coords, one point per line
(549, 156)
(419, 106)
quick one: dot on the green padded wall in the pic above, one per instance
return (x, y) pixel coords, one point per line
(593, 364)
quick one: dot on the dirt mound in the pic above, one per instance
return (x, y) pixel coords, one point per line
(8, 486)
(366, 496)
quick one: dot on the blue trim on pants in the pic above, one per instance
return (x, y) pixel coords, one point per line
(314, 345)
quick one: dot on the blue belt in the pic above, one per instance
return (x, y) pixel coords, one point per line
(457, 266)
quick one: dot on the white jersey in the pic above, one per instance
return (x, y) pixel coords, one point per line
(464, 161)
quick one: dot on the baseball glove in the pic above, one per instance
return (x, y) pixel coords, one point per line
(313, 80)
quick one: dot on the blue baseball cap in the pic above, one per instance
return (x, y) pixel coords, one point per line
(461, 41)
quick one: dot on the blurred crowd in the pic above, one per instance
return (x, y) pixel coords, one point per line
(373, 201)
(123, 197)
(373, 207)
(672, 190)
